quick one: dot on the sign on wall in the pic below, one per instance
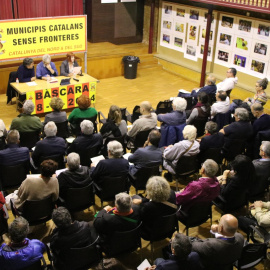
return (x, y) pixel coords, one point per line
(68, 93)
(39, 36)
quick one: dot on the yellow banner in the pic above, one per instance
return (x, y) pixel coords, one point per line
(39, 36)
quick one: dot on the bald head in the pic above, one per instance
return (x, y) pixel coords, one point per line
(145, 107)
(228, 225)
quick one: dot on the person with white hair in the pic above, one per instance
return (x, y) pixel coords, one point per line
(203, 190)
(125, 216)
(26, 122)
(51, 145)
(86, 139)
(114, 166)
(46, 68)
(75, 176)
(241, 129)
(177, 116)
(188, 147)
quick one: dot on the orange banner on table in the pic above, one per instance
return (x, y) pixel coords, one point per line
(38, 36)
(68, 93)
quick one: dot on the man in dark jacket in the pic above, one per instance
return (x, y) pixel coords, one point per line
(68, 235)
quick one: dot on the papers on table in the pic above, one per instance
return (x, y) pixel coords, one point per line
(53, 80)
(77, 70)
(31, 83)
(96, 160)
(144, 265)
(184, 91)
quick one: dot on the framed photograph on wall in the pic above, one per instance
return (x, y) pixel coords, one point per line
(223, 57)
(192, 33)
(180, 28)
(227, 22)
(242, 44)
(190, 52)
(166, 24)
(244, 27)
(194, 14)
(181, 13)
(166, 39)
(200, 52)
(225, 39)
(260, 49)
(167, 9)
(257, 67)
(179, 43)
(204, 18)
(203, 34)
(261, 31)
(240, 62)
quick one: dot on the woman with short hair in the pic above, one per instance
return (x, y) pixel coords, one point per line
(68, 65)
(56, 115)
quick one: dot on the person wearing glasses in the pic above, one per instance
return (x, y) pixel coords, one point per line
(229, 82)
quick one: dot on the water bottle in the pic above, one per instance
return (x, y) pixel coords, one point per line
(17, 80)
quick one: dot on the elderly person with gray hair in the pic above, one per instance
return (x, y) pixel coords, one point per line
(241, 129)
(56, 115)
(188, 147)
(203, 190)
(123, 217)
(87, 139)
(177, 116)
(46, 68)
(213, 138)
(159, 201)
(26, 122)
(115, 166)
(21, 252)
(51, 145)
(75, 176)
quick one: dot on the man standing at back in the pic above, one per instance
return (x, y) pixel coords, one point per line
(223, 250)
(230, 81)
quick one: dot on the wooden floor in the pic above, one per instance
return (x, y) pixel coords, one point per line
(153, 84)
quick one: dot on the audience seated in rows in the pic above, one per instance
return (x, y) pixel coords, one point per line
(68, 234)
(159, 201)
(114, 166)
(212, 138)
(147, 121)
(177, 116)
(205, 189)
(241, 129)
(229, 82)
(67, 66)
(148, 156)
(51, 145)
(46, 68)
(123, 217)
(26, 71)
(181, 256)
(86, 139)
(75, 176)
(223, 250)
(114, 126)
(39, 187)
(13, 154)
(188, 147)
(201, 110)
(83, 111)
(262, 121)
(56, 115)
(26, 122)
(21, 252)
(222, 105)
(237, 182)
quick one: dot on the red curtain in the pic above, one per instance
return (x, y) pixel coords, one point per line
(6, 10)
(40, 8)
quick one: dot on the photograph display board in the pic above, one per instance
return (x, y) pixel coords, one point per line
(240, 42)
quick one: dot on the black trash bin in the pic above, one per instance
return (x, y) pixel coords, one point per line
(130, 66)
